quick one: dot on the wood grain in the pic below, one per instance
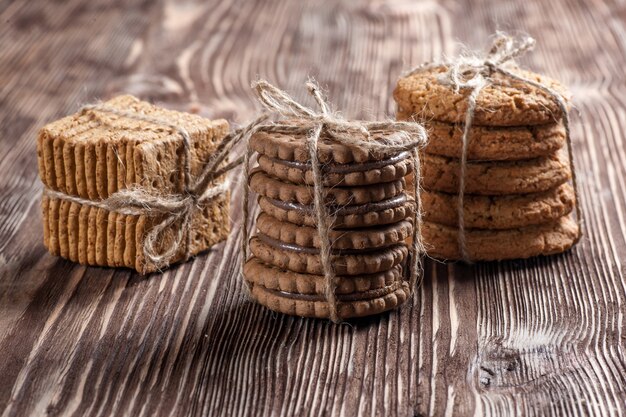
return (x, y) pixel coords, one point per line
(542, 337)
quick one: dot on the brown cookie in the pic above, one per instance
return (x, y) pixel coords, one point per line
(271, 277)
(491, 245)
(362, 173)
(500, 212)
(307, 260)
(492, 143)
(267, 186)
(365, 238)
(317, 307)
(496, 178)
(383, 212)
(293, 148)
(505, 102)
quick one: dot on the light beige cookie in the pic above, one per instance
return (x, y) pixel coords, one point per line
(101, 142)
(94, 236)
(496, 178)
(499, 212)
(491, 245)
(504, 102)
(95, 153)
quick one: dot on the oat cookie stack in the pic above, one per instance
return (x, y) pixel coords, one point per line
(517, 199)
(372, 219)
(94, 153)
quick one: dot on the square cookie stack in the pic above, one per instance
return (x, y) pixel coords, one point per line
(94, 153)
(517, 200)
(372, 219)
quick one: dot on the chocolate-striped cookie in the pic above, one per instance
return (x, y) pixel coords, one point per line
(348, 306)
(387, 211)
(293, 148)
(307, 260)
(276, 189)
(364, 238)
(358, 173)
(259, 273)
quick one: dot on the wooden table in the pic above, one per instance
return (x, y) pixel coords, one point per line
(538, 337)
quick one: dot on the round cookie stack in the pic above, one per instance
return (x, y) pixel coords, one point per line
(517, 200)
(371, 220)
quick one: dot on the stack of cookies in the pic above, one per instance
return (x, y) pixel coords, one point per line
(95, 153)
(517, 200)
(372, 219)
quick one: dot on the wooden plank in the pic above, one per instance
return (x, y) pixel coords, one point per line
(538, 337)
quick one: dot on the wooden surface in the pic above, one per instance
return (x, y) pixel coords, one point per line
(538, 337)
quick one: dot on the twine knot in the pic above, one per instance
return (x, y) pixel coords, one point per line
(381, 139)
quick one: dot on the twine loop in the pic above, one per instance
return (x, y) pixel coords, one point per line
(381, 139)
(475, 72)
(176, 209)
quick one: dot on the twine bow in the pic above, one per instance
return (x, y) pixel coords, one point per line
(475, 73)
(381, 139)
(175, 208)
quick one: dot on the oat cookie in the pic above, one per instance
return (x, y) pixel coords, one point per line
(492, 143)
(496, 178)
(490, 245)
(505, 102)
(500, 212)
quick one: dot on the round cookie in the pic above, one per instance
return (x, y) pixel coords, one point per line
(259, 273)
(307, 260)
(496, 178)
(492, 245)
(293, 148)
(383, 212)
(504, 102)
(362, 173)
(492, 143)
(317, 307)
(366, 238)
(267, 186)
(500, 212)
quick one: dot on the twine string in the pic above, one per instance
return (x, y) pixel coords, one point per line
(381, 139)
(175, 208)
(474, 73)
